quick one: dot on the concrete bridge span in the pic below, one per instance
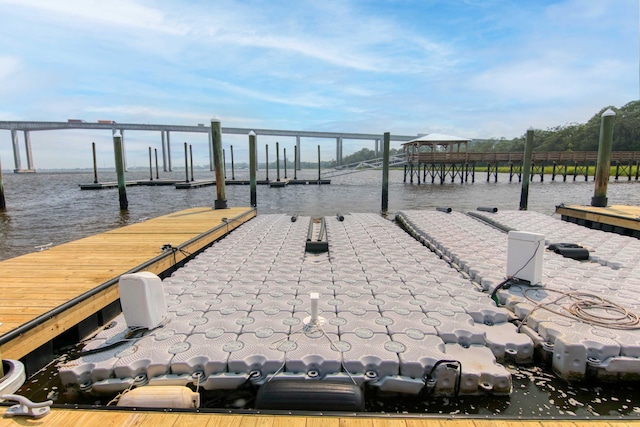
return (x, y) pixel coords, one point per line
(25, 127)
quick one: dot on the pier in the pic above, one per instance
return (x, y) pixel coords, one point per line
(441, 158)
(80, 278)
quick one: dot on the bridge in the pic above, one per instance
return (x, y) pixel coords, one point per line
(165, 134)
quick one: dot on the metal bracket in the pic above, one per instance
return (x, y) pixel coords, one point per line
(26, 407)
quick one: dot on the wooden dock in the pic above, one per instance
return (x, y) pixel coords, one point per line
(621, 219)
(46, 293)
(117, 418)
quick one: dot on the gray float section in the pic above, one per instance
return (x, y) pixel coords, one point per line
(396, 316)
(576, 349)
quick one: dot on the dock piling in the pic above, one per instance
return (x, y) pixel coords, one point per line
(252, 167)
(277, 161)
(122, 186)
(95, 163)
(150, 166)
(285, 162)
(191, 159)
(266, 149)
(186, 164)
(155, 150)
(216, 136)
(295, 162)
(526, 169)
(599, 198)
(318, 164)
(233, 172)
(385, 173)
(3, 205)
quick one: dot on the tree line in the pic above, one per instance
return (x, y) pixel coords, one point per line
(575, 136)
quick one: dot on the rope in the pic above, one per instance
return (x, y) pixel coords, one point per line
(582, 308)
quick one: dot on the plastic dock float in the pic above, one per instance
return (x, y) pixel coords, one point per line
(621, 219)
(389, 312)
(583, 317)
(279, 183)
(80, 277)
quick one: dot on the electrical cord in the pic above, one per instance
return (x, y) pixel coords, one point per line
(581, 306)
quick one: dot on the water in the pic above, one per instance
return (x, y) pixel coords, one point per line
(47, 208)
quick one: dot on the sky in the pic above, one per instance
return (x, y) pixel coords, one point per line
(471, 68)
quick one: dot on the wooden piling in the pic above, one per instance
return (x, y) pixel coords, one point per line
(224, 163)
(156, 153)
(318, 164)
(216, 136)
(186, 164)
(526, 169)
(122, 186)
(3, 205)
(266, 152)
(191, 159)
(385, 173)
(603, 165)
(95, 163)
(285, 162)
(278, 161)
(252, 167)
(233, 172)
(295, 162)
(150, 166)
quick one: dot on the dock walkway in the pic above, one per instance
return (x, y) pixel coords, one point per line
(81, 276)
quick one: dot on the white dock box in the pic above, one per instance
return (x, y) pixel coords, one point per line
(524, 256)
(142, 299)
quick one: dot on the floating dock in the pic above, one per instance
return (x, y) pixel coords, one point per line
(182, 184)
(47, 293)
(396, 315)
(621, 219)
(584, 317)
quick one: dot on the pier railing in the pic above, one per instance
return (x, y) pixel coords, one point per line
(547, 156)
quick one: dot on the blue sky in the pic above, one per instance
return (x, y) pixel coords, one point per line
(473, 68)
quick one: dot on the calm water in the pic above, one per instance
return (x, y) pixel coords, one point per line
(47, 208)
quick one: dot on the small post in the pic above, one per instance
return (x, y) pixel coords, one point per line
(252, 167)
(285, 162)
(3, 205)
(526, 169)
(233, 172)
(224, 163)
(295, 162)
(186, 164)
(216, 136)
(191, 159)
(150, 166)
(156, 153)
(599, 198)
(278, 161)
(95, 163)
(318, 164)
(122, 185)
(266, 149)
(385, 173)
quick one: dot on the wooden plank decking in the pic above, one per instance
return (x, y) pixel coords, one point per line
(60, 417)
(35, 285)
(624, 219)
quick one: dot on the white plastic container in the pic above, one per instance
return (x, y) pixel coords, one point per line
(142, 299)
(161, 397)
(524, 256)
